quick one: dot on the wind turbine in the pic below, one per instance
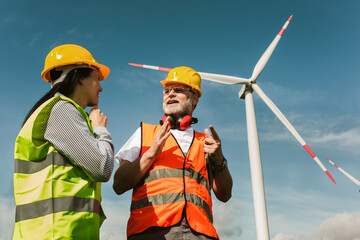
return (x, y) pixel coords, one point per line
(357, 182)
(249, 85)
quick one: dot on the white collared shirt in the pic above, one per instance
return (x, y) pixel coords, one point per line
(131, 149)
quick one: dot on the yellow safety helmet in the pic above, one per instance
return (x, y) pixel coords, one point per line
(184, 75)
(70, 54)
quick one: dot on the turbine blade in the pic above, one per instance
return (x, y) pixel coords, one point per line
(206, 76)
(151, 67)
(345, 173)
(223, 78)
(288, 125)
(267, 54)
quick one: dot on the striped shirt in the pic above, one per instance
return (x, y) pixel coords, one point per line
(68, 131)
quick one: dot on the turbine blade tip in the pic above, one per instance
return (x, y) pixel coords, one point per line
(135, 64)
(329, 175)
(290, 18)
(165, 69)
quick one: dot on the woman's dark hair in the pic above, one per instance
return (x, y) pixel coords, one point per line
(65, 87)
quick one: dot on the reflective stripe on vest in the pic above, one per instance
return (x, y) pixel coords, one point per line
(54, 205)
(176, 172)
(29, 167)
(172, 198)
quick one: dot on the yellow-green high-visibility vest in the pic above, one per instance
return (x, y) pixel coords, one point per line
(55, 198)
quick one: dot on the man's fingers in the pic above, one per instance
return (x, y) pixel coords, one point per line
(214, 133)
(209, 150)
(207, 133)
(209, 140)
(167, 134)
(166, 126)
(164, 132)
(167, 122)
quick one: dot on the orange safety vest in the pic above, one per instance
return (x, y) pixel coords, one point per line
(173, 183)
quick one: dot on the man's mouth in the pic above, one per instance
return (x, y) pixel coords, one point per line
(172, 102)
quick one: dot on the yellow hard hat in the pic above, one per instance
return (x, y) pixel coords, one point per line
(184, 75)
(70, 54)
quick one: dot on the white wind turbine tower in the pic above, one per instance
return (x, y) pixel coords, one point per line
(262, 228)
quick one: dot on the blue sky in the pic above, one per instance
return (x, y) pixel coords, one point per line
(312, 76)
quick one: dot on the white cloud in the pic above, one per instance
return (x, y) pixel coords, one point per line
(291, 97)
(345, 226)
(282, 236)
(8, 20)
(71, 31)
(35, 38)
(117, 213)
(348, 139)
(311, 215)
(7, 218)
(234, 132)
(226, 219)
(337, 132)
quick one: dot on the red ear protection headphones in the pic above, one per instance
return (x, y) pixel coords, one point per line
(181, 123)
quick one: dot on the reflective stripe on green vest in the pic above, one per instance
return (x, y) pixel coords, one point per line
(55, 199)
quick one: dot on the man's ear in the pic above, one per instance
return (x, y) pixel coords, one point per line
(195, 99)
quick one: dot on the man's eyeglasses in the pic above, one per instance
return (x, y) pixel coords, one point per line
(167, 90)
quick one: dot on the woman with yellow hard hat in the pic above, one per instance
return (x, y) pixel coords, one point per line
(62, 154)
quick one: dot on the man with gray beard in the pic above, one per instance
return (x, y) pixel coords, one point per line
(172, 168)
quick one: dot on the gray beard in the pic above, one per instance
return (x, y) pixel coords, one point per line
(182, 110)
